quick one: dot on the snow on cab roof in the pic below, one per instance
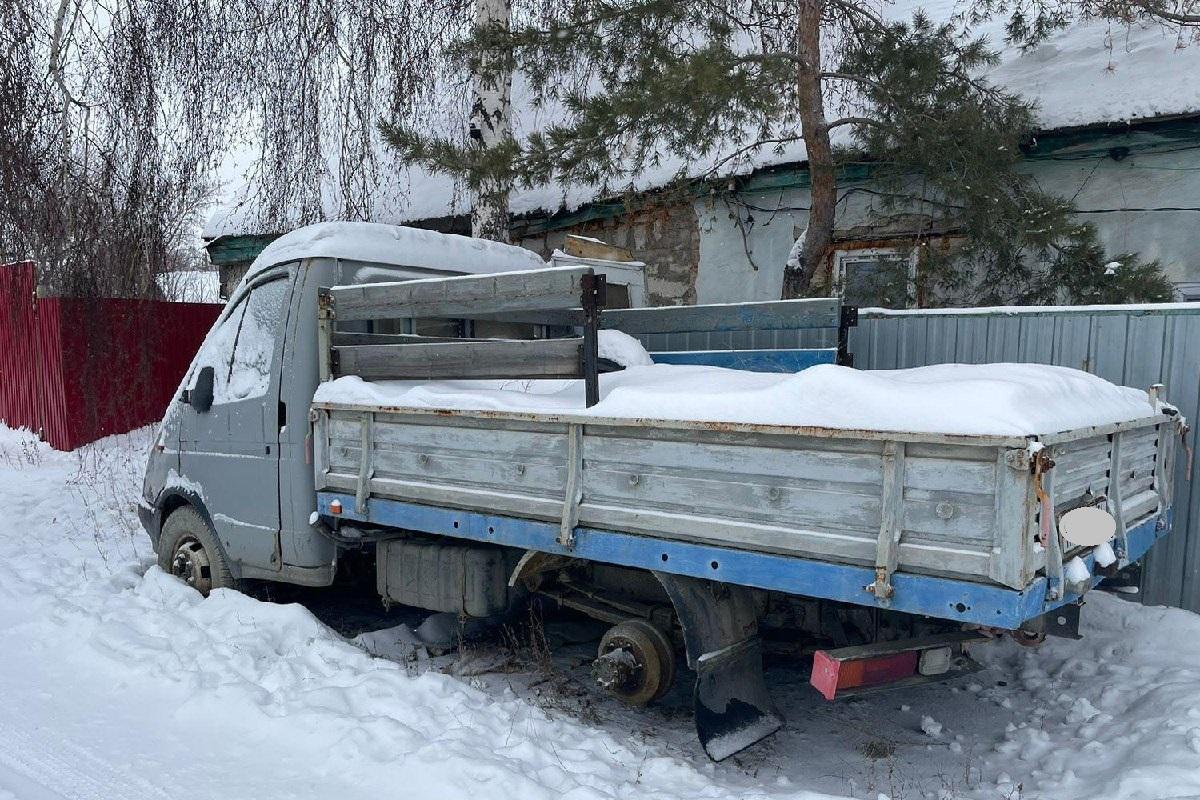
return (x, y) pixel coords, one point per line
(395, 245)
(1085, 74)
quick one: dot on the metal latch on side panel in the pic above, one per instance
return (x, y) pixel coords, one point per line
(882, 587)
(1020, 460)
(887, 549)
(325, 307)
(573, 491)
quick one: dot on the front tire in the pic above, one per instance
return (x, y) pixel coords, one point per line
(188, 549)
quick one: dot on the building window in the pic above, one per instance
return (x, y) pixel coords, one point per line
(1188, 290)
(876, 276)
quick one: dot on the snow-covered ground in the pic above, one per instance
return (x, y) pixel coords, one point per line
(118, 682)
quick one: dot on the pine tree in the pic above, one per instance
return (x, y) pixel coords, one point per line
(1094, 278)
(963, 139)
(715, 85)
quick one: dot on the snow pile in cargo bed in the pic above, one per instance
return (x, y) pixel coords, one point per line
(992, 399)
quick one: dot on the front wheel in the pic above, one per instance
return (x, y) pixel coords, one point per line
(188, 549)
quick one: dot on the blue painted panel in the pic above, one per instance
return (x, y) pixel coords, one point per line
(944, 598)
(751, 360)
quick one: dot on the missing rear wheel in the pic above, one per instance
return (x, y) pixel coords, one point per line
(636, 662)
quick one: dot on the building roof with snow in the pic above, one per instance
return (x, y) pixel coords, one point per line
(1088, 75)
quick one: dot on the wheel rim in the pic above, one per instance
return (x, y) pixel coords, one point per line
(649, 667)
(191, 564)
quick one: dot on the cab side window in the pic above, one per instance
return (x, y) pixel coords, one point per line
(240, 349)
(249, 373)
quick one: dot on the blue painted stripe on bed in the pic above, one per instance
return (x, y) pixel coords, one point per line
(944, 598)
(751, 360)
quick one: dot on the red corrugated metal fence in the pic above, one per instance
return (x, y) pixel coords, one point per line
(76, 370)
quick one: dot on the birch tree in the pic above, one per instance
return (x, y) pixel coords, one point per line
(491, 121)
(102, 205)
(117, 113)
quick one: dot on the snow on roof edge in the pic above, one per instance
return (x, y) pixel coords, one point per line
(1087, 75)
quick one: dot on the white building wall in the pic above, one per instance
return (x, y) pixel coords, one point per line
(740, 263)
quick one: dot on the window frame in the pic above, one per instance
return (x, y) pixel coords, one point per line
(1188, 291)
(846, 252)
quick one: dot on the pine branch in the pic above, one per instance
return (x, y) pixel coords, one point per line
(766, 58)
(861, 79)
(854, 9)
(741, 151)
(1170, 16)
(843, 121)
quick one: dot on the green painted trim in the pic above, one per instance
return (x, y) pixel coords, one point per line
(1139, 137)
(1091, 140)
(227, 250)
(599, 211)
(780, 176)
(795, 176)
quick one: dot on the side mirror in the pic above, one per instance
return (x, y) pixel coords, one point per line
(200, 396)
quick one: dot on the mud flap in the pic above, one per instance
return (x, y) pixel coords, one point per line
(720, 630)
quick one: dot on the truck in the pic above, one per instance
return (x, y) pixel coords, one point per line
(324, 417)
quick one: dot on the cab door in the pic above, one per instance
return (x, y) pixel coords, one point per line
(229, 452)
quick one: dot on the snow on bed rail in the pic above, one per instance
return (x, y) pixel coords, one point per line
(540, 269)
(966, 399)
(983, 311)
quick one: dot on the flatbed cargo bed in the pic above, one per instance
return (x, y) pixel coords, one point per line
(940, 523)
(959, 507)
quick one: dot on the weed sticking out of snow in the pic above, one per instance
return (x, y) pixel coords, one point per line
(876, 749)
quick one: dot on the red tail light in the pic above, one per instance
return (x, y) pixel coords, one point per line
(830, 674)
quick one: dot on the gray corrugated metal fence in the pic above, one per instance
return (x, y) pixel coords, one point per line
(1132, 346)
(1136, 346)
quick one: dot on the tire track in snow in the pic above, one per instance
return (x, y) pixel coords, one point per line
(70, 771)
